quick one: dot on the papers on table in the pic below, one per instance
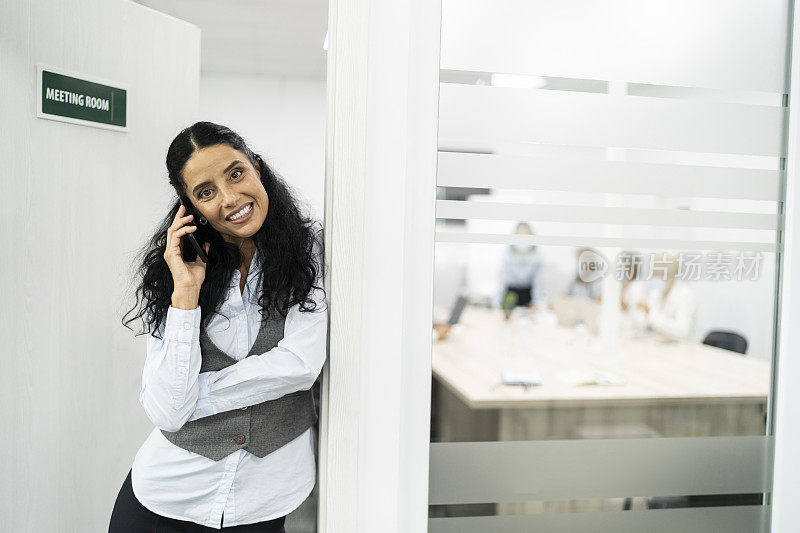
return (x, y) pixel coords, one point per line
(533, 379)
(525, 379)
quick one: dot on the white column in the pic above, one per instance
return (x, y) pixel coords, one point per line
(380, 213)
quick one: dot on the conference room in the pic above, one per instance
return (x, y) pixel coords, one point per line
(594, 292)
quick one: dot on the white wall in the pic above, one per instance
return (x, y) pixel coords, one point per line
(281, 118)
(77, 202)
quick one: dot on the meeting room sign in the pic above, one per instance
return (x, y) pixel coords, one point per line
(87, 100)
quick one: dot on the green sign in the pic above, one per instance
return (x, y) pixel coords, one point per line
(91, 102)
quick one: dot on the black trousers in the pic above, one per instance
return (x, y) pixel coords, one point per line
(130, 516)
(523, 294)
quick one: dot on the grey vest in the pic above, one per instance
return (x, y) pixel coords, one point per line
(260, 429)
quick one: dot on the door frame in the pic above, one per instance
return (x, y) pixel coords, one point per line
(785, 398)
(380, 194)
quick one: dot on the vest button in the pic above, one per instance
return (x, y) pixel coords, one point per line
(240, 439)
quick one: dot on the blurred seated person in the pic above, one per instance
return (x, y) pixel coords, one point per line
(440, 329)
(670, 307)
(522, 273)
(580, 289)
(632, 292)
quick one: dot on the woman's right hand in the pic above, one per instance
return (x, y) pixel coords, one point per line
(186, 276)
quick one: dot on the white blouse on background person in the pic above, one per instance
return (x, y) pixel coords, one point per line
(240, 488)
(673, 316)
(634, 319)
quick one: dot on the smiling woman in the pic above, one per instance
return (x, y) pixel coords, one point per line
(233, 404)
(223, 182)
(216, 174)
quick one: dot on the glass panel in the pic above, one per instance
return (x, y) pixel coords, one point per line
(575, 174)
(614, 350)
(479, 472)
(710, 43)
(483, 115)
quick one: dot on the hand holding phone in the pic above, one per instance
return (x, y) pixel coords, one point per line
(185, 274)
(193, 241)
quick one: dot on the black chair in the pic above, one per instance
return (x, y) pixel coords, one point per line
(727, 340)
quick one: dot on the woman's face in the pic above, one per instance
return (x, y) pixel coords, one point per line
(221, 181)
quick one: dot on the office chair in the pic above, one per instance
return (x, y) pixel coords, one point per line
(727, 340)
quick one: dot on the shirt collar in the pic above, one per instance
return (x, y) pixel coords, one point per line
(255, 267)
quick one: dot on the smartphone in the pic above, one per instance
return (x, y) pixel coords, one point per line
(187, 253)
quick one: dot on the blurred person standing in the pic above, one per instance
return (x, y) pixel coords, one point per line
(632, 292)
(522, 273)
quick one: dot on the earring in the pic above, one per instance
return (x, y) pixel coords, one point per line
(203, 221)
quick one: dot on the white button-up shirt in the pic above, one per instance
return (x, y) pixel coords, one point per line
(240, 488)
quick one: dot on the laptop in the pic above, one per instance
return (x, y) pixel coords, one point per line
(458, 308)
(569, 311)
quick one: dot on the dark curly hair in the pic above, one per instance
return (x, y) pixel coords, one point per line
(287, 243)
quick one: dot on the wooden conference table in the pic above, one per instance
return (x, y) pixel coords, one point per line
(670, 389)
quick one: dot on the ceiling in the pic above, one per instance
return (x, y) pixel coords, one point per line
(268, 37)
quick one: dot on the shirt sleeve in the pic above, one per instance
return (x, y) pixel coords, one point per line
(537, 283)
(170, 377)
(292, 365)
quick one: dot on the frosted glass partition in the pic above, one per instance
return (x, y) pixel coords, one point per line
(625, 125)
(673, 117)
(480, 472)
(568, 240)
(485, 114)
(577, 175)
(730, 44)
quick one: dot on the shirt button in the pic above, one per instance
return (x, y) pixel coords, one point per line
(182, 370)
(239, 438)
(241, 316)
(186, 325)
(229, 475)
(243, 408)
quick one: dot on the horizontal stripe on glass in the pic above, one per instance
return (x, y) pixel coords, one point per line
(576, 175)
(685, 43)
(478, 113)
(518, 471)
(746, 519)
(580, 214)
(619, 242)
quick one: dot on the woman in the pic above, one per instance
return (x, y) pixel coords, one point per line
(671, 308)
(235, 347)
(580, 289)
(521, 273)
(632, 292)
